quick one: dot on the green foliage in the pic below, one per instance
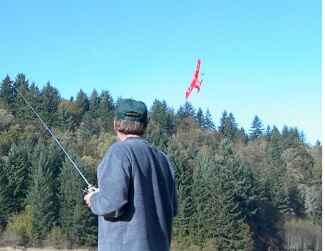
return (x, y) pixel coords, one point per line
(4, 197)
(41, 196)
(228, 126)
(56, 238)
(6, 92)
(257, 128)
(17, 169)
(76, 219)
(106, 111)
(22, 226)
(236, 191)
(184, 177)
(302, 235)
(208, 123)
(50, 99)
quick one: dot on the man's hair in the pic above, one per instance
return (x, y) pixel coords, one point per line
(131, 127)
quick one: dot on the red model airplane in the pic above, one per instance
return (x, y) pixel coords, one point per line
(196, 83)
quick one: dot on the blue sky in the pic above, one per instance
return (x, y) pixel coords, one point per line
(259, 58)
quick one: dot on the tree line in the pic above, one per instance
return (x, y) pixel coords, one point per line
(238, 190)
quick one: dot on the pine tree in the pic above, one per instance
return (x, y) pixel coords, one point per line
(204, 198)
(50, 99)
(184, 178)
(257, 129)
(94, 103)
(229, 232)
(290, 137)
(157, 136)
(237, 194)
(20, 108)
(228, 126)
(41, 194)
(157, 128)
(34, 97)
(317, 215)
(4, 197)
(82, 102)
(276, 170)
(208, 122)
(106, 111)
(17, 168)
(186, 111)
(66, 120)
(76, 219)
(6, 91)
(200, 118)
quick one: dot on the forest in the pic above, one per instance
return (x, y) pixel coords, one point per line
(237, 190)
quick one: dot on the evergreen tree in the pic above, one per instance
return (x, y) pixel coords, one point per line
(184, 178)
(237, 196)
(50, 99)
(94, 103)
(82, 102)
(4, 197)
(157, 136)
(204, 198)
(208, 122)
(66, 120)
(229, 233)
(17, 168)
(20, 108)
(106, 111)
(158, 125)
(76, 219)
(200, 118)
(162, 115)
(89, 126)
(6, 91)
(186, 111)
(257, 129)
(228, 126)
(278, 195)
(317, 215)
(40, 193)
(290, 137)
(171, 121)
(55, 157)
(276, 170)
(242, 178)
(34, 96)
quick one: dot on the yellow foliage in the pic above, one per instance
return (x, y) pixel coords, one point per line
(22, 224)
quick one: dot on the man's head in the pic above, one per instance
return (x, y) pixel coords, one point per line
(131, 117)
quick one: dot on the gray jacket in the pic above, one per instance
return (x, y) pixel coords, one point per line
(137, 198)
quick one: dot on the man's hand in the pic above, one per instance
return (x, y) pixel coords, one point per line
(87, 197)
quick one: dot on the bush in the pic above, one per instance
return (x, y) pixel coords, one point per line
(302, 235)
(56, 238)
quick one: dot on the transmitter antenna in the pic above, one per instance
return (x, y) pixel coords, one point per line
(56, 140)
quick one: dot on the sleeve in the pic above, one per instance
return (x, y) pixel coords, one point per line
(175, 201)
(113, 182)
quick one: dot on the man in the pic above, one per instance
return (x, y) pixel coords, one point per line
(136, 198)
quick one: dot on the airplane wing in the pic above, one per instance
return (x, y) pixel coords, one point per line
(197, 71)
(195, 80)
(190, 88)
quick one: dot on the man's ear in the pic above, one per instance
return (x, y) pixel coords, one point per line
(115, 126)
